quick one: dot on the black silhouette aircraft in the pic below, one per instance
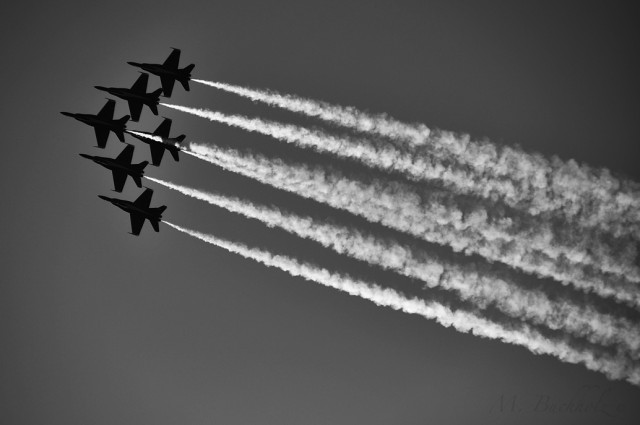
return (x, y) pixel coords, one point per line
(121, 167)
(136, 96)
(139, 211)
(168, 72)
(158, 147)
(103, 122)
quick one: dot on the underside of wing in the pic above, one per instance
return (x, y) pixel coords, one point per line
(167, 85)
(126, 155)
(136, 223)
(140, 86)
(157, 151)
(144, 200)
(102, 134)
(173, 60)
(163, 129)
(174, 154)
(119, 179)
(136, 109)
(108, 109)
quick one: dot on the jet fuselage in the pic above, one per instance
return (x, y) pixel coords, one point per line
(95, 121)
(128, 94)
(157, 69)
(113, 164)
(131, 208)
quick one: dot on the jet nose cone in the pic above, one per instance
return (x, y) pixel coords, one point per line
(101, 88)
(67, 114)
(84, 155)
(104, 198)
(133, 63)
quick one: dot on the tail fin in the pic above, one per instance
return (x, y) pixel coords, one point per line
(157, 93)
(137, 180)
(124, 119)
(159, 210)
(142, 165)
(188, 69)
(154, 108)
(180, 138)
(155, 224)
(185, 83)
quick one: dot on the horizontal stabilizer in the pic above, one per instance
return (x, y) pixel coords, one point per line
(141, 166)
(188, 69)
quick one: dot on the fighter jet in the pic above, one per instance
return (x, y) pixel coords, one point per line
(121, 167)
(103, 123)
(168, 72)
(157, 147)
(139, 211)
(136, 96)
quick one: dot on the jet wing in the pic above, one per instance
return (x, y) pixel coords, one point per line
(126, 156)
(173, 60)
(136, 109)
(163, 129)
(167, 85)
(144, 200)
(174, 154)
(119, 179)
(136, 223)
(140, 86)
(157, 151)
(102, 134)
(107, 110)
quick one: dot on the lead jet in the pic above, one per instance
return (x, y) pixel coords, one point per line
(139, 211)
(168, 72)
(136, 96)
(121, 167)
(103, 122)
(159, 146)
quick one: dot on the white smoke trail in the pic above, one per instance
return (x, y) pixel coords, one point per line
(578, 247)
(614, 367)
(392, 205)
(468, 281)
(591, 197)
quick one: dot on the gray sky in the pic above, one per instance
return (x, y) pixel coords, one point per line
(102, 327)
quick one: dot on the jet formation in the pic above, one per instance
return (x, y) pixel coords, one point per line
(122, 166)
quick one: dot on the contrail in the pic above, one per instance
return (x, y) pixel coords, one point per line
(390, 204)
(614, 367)
(470, 282)
(591, 197)
(586, 248)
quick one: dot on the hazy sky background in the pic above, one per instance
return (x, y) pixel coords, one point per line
(102, 327)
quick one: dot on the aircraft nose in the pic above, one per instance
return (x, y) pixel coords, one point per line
(67, 114)
(104, 198)
(101, 88)
(133, 63)
(84, 155)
